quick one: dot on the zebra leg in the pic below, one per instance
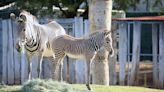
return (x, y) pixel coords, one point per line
(59, 64)
(39, 68)
(29, 59)
(56, 65)
(51, 59)
(88, 74)
(61, 69)
(55, 68)
(30, 71)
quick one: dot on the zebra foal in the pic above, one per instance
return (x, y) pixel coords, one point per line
(81, 48)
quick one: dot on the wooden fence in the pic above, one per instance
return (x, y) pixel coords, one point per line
(134, 57)
(14, 71)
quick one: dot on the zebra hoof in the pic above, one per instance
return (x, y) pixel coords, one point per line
(88, 87)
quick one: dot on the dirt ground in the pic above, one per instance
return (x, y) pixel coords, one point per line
(145, 77)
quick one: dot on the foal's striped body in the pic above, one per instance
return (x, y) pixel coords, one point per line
(80, 48)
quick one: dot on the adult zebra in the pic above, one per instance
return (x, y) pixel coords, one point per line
(35, 37)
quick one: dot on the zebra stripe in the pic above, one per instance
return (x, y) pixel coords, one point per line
(34, 46)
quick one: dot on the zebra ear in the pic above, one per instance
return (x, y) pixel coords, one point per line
(106, 33)
(12, 16)
(22, 17)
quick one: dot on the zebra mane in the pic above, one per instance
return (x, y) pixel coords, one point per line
(94, 34)
(30, 18)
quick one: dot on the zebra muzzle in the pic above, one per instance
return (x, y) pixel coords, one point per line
(111, 52)
(18, 48)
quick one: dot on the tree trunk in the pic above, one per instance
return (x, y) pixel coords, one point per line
(100, 18)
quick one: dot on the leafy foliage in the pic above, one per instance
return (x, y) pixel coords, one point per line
(5, 2)
(46, 6)
(157, 3)
(124, 4)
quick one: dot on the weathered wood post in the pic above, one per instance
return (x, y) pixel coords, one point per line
(80, 64)
(24, 64)
(10, 54)
(34, 72)
(113, 60)
(4, 51)
(17, 58)
(155, 54)
(122, 52)
(161, 55)
(136, 52)
(1, 44)
(86, 32)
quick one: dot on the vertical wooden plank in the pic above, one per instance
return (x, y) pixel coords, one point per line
(80, 64)
(128, 57)
(17, 58)
(86, 32)
(86, 27)
(136, 52)
(64, 72)
(161, 56)
(4, 60)
(71, 70)
(35, 66)
(71, 62)
(67, 69)
(78, 26)
(155, 54)
(122, 52)
(1, 48)
(47, 68)
(113, 60)
(24, 65)
(10, 55)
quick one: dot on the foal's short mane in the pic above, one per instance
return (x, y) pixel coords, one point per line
(94, 34)
(30, 18)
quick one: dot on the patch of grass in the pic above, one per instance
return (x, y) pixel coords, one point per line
(2, 86)
(9, 88)
(101, 88)
(38, 85)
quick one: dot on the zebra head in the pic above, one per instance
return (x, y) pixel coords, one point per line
(20, 22)
(108, 43)
(24, 28)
